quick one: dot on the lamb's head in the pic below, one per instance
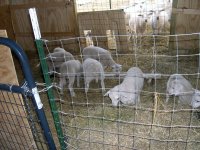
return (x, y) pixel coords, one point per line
(196, 99)
(114, 96)
(175, 88)
(117, 68)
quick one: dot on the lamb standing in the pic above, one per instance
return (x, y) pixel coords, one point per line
(128, 92)
(137, 19)
(103, 56)
(93, 69)
(161, 16)
(138, 23)
(177, 85)
(55, 59)
(159, 20)
(70, 69)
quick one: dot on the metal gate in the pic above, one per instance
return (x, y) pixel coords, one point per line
(23, 124)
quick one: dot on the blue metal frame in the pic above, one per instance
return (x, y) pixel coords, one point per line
(23, 59)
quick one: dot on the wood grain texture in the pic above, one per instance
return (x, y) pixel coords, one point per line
(186, 19)
(14, 124)
(7, 69)
(101, 21)
(56, 19)
(6, 22)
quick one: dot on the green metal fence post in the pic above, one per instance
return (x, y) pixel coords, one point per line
(54, 110)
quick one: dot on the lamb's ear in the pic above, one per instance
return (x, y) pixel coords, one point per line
(107, 93)
(116, 66)
(119, 65)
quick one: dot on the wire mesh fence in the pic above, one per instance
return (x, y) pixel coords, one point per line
(20, 127)
(90, 121)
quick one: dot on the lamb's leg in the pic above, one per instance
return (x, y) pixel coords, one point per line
(70, 85)
(96, 79)
(87, 82)
(167, 97)
(86, 87)
(138, 98)
(102, 85)
(78, 80)
(62, 83)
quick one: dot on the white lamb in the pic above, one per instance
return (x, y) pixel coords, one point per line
(103, 56)
(177, 85)
(59, 49)
(55, 59)
(70, 70)
(128, 92)
(196, 99)
(159, 21)
(138, 23)
(93, 69)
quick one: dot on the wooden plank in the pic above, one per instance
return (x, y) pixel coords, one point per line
(56, 19)
(7, 68)
(4, 2)
(44, 34)
(39, 5)
(185, 20)
(14, 123)
(99, 22)
(186, 11)
(6, 22)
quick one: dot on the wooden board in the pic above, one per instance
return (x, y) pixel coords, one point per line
(185, 20)
(6, 22)
(15, 129)
(56, 19)
(100, 22)
(7, 69)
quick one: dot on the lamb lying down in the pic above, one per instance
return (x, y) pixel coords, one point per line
(70, 70)
(128, 92)
(196, 99)
(177, 85)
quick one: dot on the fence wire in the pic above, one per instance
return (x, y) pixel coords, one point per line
(90, 121)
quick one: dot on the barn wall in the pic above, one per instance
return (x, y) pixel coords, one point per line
(101, 21)
(186, 19)
(6, 22)
(57, 19)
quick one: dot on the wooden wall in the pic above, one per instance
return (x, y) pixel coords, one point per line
(57, 19)
(185, 19)
(101, 21)
(6, 21)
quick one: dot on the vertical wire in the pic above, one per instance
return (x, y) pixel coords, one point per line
(174, 99)
(135, 48)
(192, 110)
(61, 43)
(155, 88)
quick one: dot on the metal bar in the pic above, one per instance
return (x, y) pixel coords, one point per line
(39, 45)
(23, 59)
(11, 88)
